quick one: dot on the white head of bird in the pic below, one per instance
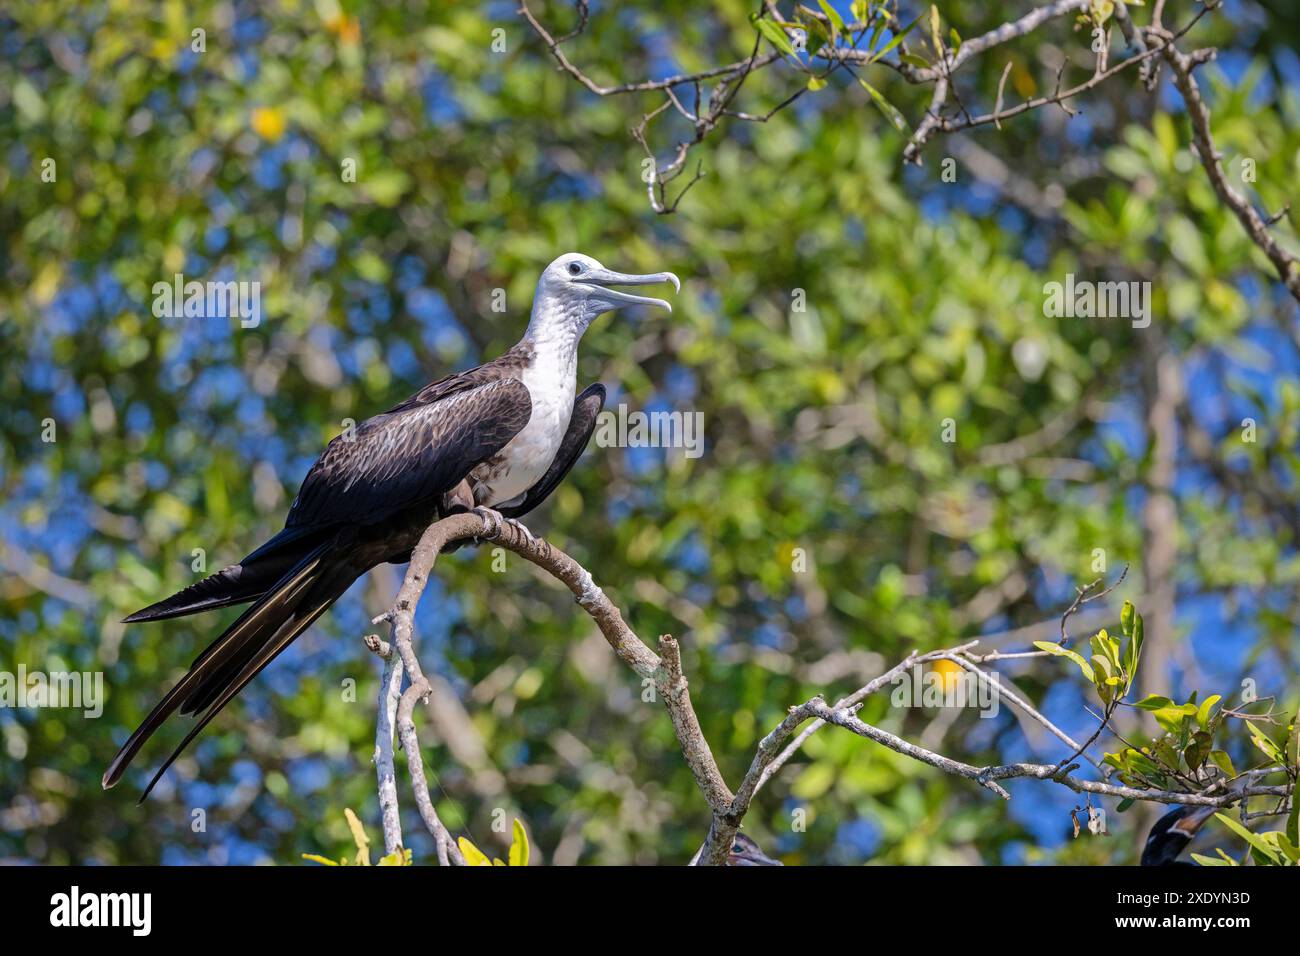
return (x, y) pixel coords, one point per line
(575, 289)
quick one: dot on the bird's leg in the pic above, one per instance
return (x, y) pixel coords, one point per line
(460, 498)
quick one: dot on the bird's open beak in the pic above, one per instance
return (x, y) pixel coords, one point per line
(605, 279)
(1193, 819)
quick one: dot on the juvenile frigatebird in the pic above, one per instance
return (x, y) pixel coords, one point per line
(496, 439)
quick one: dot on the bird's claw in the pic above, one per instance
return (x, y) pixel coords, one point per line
(492, 521)
(495, 521)
(522, 529)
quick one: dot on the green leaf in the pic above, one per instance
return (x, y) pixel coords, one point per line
(519, 845)
(833, 15)
(28, 101)
(1119, 761)
(881, 22)
(1154, 702)
(817, 34)
(1059, 651)
(889, 109)
(1101, 666)
(1221, 760)
(1199, 750)
(387, 186)
(1104, 692)
(814, 781)
(1100, 650)
(1203, 714)
(1256, 841)
(935, 26)
(896, 39)
(320, 859)
(816, 83)
(774, 35)
(1126, 619)
(1204, 860)
(1264, 743)
(1289, 849)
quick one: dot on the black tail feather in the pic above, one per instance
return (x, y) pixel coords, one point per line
(228, 586)
(297, 599)
(224, 685)
(238, 583)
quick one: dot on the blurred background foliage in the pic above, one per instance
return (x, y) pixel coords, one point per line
(474, 169)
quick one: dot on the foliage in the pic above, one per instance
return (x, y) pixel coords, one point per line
(362, 858)
(1186, 757)
(824, 425)
(1271, 848)
(1111, 669)
(518, 855)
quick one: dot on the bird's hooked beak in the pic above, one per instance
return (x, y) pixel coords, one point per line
(605, 279)
(1192, 820)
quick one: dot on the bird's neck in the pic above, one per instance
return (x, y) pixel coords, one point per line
(552, 337)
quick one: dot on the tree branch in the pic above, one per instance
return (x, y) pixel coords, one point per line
(727, 809)
(1152, 44)
(1256, 226)
(390, 686)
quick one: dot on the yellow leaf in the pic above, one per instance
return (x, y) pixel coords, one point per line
(46, 283)
(949, 674)
(519, 845)
(268, 122)
(472, 854)
(346, 28)
(358, 837)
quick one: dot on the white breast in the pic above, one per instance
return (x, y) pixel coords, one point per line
(525, 459)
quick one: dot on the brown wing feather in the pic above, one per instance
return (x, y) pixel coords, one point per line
(409, 455)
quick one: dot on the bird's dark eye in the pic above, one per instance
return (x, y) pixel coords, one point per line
(574, 268)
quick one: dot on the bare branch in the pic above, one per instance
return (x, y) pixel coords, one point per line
(1256, 226)
(775, 749)
(390, 687)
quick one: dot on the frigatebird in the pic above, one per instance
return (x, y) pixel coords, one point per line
(496, 439)
(1171, 834)
(744, 852)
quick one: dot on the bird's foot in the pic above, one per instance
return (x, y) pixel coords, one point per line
(492, 520)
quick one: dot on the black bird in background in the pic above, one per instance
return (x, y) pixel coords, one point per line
(500, 436)
(1172, 833)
